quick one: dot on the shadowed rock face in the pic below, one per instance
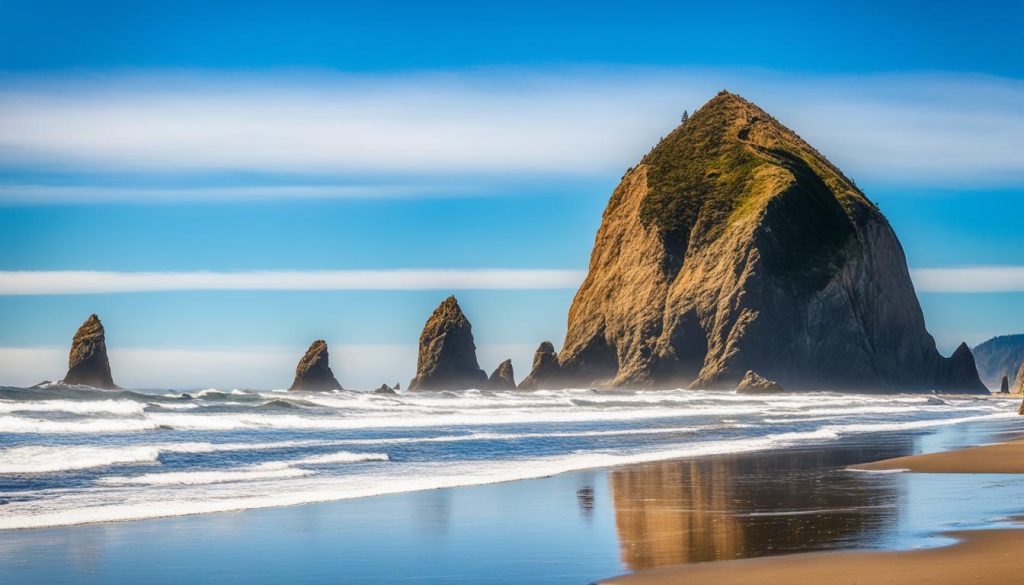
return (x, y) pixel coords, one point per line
(546, 372)
(754, 384)
(87, 362)
(1004, 386)
(314, 371)
(734, 246)
(503, 377)
(447, 356)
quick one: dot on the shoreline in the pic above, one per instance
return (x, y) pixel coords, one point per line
(984, 554)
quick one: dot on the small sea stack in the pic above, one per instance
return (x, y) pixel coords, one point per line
(753, 383)
(313, 373)
(502, 378)
(546, 372)
(385, 389)
(1004, 386)
(447, 354)
(87, 362)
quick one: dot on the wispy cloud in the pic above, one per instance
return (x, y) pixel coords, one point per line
(97, 194)
(920, 129)
(969, 279)
(68, 282)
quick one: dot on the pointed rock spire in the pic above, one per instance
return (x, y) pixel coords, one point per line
(447, 355)
(1004, 386)
(313, 373)
(87, 362)
(503, 377)
(546, 372)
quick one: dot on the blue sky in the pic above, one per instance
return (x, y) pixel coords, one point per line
(171, 137)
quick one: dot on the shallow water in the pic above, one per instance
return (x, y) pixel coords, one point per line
(570, 528)
(80, 456)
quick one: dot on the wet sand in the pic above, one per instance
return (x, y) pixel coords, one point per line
(984, 556)
(1005, 457)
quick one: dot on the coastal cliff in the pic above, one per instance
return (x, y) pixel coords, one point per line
(313, 372)
(447, 353)
(87, 361)
(734, 246)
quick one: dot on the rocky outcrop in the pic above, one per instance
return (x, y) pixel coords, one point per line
(1018, 386)
(755, 384)
(502, 378)
(447, 356)
(385, 389)
(1004, 386)
(997, 356)
(735, 246)
(546, 372)
(314, 370)
(87, 362)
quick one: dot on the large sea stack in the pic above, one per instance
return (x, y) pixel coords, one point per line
(313, 373)
(733, 246)
(87, 362)
(447, 356)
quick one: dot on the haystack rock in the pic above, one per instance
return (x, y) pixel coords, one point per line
(734, 246)
(752, 383)
(447, 356)
(1004, 386)
(87, 362)
(546, 372)
(502, 378)
(314, 370)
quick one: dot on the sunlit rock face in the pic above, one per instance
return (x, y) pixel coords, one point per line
(447, 354)
(87, 362)
(733, 246)
(313, 372)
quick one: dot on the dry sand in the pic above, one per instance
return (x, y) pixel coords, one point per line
(980, 556)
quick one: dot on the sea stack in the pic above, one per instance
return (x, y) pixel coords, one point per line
(546, 372)
(87, 362)
(752, 383)
(735, 246)
(314, 370)
(1018, 385)
(502, 378)
(447, 355)
(1004, 386)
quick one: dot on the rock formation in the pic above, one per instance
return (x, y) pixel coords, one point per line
(502, 378)
(546, 372)
(385, 389)
(733, 246)
(997, 356)
(1004, 386)
(87, 362)
(314, 370)
(755, 384)
(1018, 386)
(447, 356)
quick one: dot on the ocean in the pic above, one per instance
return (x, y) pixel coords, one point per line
(80, 455)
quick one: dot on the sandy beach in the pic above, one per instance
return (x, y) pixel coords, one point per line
(983, 556)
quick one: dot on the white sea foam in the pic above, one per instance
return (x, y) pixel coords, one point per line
(32, 459)
(123, 407)
(272, 470)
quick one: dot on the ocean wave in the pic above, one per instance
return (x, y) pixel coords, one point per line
(123, 407)
(33, 459)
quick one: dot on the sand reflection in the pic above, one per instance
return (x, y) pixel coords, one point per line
(746, 506)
